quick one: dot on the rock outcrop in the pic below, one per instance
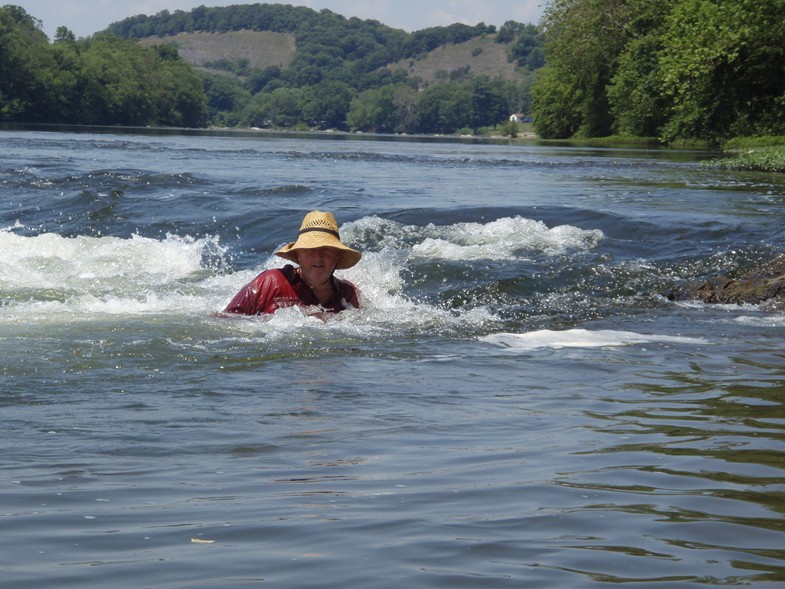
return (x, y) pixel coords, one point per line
(765, 286)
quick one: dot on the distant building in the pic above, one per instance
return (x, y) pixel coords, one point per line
(520, 118)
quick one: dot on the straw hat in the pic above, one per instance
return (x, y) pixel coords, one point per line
(320, 229)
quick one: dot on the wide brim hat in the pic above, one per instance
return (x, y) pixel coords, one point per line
(320, 229)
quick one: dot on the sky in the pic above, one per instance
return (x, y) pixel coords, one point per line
(85, 17)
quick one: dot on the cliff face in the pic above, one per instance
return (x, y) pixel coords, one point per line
(765, 286)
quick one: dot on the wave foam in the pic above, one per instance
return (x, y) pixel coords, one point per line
(51, 278)
(502, 239)
(49, 274)
(580, 338)
(73, 261)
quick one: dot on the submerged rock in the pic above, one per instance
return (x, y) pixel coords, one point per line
(765, 286)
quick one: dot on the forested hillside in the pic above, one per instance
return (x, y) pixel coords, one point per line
(323, 70)
(268, 65)
(668, 69)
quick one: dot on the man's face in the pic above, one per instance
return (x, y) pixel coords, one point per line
(317, 265)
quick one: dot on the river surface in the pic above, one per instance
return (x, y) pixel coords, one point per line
(515, 405)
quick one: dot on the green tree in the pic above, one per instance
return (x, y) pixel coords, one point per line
(68, 79)
(226, 98)
(389, 109)
(635, 93)
(326, 105)
(116, 91)
(445, 108)
(526, 44)
(488, 103)
(177, 90)
(372, 110)
(64, 35)
(721, 68)
(585, 40)
(126, 84)
(557, 99)
(405, 102)
(509, 31)
(260, 78)
(26, 67)
(101, 80)
(280, 108)
(706, 69)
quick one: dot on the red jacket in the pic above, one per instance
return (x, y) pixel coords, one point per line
(274, 289)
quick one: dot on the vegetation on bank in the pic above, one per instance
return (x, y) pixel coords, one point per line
(619, 72)
(759, 154)
(763, 159)
(679, 70)
(342, 76)
(103, 80)
(351, 74)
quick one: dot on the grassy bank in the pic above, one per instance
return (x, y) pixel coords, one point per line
(758, 154)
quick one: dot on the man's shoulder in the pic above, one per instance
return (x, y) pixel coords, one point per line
(346, 285)
(276, 275)
(349, 292)
(289, 272)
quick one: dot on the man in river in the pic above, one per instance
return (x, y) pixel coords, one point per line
(318, 252)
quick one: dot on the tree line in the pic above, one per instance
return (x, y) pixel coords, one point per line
(103, 80)
(672, 69)
(338, 78)
(319, 35)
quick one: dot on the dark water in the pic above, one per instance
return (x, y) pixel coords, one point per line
(516, 405)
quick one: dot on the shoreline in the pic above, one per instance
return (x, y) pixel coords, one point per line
(752, 154)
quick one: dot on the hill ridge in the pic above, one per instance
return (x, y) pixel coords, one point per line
(269, 35)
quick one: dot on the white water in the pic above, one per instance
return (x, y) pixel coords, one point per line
(51, 279)
(502, 239)
(581, 338)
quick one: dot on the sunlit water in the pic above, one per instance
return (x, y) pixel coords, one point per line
(515, 405)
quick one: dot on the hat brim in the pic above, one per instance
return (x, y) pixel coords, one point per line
(347, 257)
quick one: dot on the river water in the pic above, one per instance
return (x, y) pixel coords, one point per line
(515, 405)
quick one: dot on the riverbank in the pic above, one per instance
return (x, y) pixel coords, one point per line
(751, 154)
(759, 154)
(762, 154)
